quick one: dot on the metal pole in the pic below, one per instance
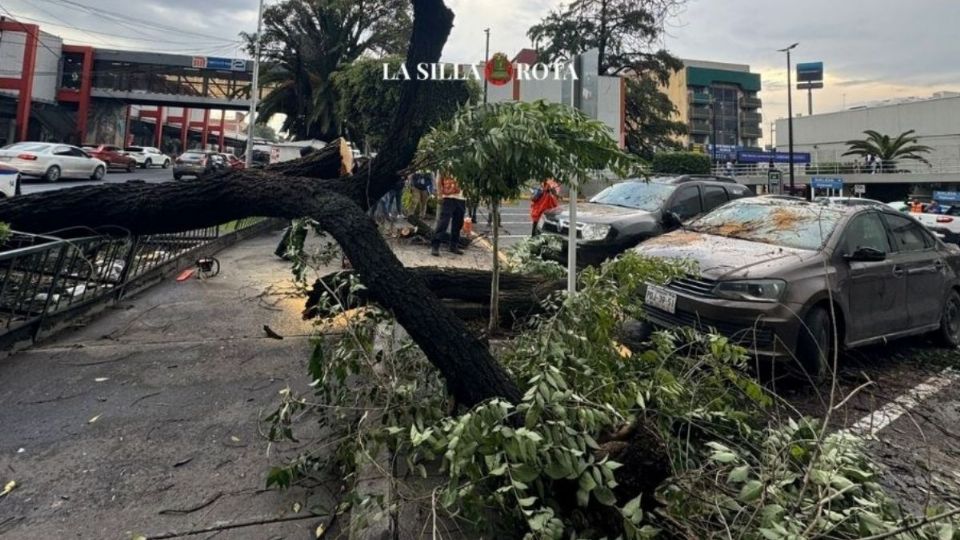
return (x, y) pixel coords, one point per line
(486, 58)
(790, 119)
(572, 243)
(254, 87)
(809, 101)
(713, 127)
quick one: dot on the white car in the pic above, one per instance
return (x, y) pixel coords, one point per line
(9, 181)
(148, 156)
(52, 161)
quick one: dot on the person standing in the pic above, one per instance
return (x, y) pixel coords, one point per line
(544, 198)
(453, 208)
(422, 184)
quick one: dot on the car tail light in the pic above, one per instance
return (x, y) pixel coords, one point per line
(944, 219)
(27, 157)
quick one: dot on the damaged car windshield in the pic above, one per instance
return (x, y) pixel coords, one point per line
(637, 194)
(772, 222)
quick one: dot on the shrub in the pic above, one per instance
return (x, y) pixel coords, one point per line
(681, 163)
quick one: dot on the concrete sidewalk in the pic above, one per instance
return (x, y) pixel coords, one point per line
(145, 421)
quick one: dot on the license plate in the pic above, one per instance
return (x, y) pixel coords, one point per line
(661, 298)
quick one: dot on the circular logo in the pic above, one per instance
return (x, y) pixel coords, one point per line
(499, 70)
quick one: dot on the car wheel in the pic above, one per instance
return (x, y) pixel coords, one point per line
(52, 174)
(98, 173)
(17, 190)
(177, 176)
(949, 332)
(166, 163)
(147, 164)
(814, 344)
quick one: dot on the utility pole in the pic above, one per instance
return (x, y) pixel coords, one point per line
(254, 87)
(790, 113)
(809, 100)
(713, 127)
(486, 58)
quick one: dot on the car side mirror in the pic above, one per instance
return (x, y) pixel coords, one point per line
(866, 254)
(671, 220)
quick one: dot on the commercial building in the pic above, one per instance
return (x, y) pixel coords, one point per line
(719, 103)
(936, 121)
(54, 91)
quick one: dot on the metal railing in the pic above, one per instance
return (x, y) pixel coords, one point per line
(947, 166)
(41, 276)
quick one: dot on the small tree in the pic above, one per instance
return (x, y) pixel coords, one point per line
(496, 150)
(889, 150)
(681, 163)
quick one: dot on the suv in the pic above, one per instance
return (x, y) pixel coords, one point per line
(196, 163)
(113, 156)
(148, 156)
(625, 214)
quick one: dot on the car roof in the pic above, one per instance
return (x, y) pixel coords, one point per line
(685, 178)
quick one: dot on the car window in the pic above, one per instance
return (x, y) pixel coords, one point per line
(63, 151)
(76, 152)
(737, 192)
(686, 202)
(133, 149)
(191, 156)
(713, 196)
(907, 234)
(865, 230)
(110, 148)
(638, 194)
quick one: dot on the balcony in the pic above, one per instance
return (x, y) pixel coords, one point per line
(751, 132)
(699, 113)
(750, 103)
(701, 98)
(750, 118)
(700, 127)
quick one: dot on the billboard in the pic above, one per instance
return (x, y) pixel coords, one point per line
(809, 75)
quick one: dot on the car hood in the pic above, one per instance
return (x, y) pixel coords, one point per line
(599, 213)
(721, 257)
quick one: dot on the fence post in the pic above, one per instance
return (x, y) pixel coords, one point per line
(55, 278)
(127, 266)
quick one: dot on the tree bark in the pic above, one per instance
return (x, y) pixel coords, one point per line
(495, 278)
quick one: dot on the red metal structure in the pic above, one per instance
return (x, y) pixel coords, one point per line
(24, 84)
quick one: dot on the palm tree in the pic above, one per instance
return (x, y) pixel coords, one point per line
(890, 151)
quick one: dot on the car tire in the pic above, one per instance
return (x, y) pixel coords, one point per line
(177, 176)
(148, 163)
(949, 333)
(814, 345)
(52, 174)
(166, 163)
(98, 173)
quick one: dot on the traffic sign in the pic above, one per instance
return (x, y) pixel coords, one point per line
(220, 64)
(946, 196)
(819, 182)
(859, 189)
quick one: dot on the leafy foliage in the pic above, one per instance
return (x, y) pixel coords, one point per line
(305, 41)
(904, 146)
(537, 255)
(681, 163)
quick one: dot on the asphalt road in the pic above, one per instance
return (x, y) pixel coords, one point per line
(155, 175)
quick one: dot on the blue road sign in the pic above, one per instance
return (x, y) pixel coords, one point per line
(946, 196)
(810, 72)
(819, 182)
(776, 157)
(226, 64)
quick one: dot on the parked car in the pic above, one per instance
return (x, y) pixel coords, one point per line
(9, 181)
(113, 156)
(148, 156)
(781, 276)
(625, 214)
(52, 161)
(196, 163)
(233, 162)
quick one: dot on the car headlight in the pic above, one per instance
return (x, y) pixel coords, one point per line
(594, 231)
(752, 290)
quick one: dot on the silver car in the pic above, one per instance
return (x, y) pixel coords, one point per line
(52, 161)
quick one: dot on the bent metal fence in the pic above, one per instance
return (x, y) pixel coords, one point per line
(42, 276)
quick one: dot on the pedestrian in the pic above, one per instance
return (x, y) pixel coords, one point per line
(453, 208)
(393, 199)
(421, 184)
(729, 168)
(545, 197)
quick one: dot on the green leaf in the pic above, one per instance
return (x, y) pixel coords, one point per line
(604, 496)
(739, 474)
(751, 491)
(528, 501)
(524, 472)
(587, 483)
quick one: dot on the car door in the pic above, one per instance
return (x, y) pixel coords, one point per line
(63, 157)
(713, 196)
(925, 268)
(875, 290)
(685, 202)
(85, 164)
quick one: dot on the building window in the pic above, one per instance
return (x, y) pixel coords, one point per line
(72, 71)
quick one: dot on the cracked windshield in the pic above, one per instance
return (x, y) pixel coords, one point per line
(449, 269)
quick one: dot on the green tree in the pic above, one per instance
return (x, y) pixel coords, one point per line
(496, 150)
(627, 34)
(305, 41)
(264, 131)
(365, 103)
(890, 151)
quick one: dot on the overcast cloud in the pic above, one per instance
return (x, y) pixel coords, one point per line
(871, 49)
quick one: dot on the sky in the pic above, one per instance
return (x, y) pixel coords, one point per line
(871, 49)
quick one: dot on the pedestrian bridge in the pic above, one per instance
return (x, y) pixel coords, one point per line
(937, 172)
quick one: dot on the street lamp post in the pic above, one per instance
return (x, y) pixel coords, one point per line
(713, 127)
(254, 87)
(486, 58)
(790, 113)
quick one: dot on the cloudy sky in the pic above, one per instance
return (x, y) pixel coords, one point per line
(871, 49)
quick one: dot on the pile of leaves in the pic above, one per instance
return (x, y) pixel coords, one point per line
(534, 469)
